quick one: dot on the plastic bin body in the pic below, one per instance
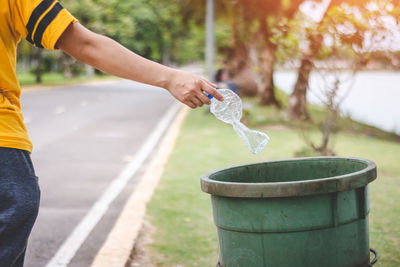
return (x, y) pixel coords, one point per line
(302, 212)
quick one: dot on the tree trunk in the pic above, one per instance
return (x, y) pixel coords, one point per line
(298, 99)
(166, 55)
(240, 70)
(239, 67)
(89, 71)
(245, 81)
(267, 61)
(39, 60)
(65, 64)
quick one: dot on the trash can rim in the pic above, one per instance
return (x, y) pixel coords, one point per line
(291, 188)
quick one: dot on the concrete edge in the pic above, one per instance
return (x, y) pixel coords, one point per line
(121, 239)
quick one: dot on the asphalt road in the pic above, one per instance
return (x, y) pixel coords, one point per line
(83, 137)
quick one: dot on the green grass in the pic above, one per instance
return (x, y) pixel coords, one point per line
(181, 213)
(27, 79)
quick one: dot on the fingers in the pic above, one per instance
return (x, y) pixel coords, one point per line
(189, 89)
(210, 83)
(203, 98)
(190, 99)
(191, 104)
(197, 101)
(211, 90)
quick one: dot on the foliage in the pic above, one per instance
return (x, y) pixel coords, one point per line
(346, 30)
(165, 31)
(259, 29)
(172, 31)
(260, 23)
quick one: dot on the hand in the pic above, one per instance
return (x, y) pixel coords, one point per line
(187, 88)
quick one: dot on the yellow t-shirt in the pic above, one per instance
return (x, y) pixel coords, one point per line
(41, 22)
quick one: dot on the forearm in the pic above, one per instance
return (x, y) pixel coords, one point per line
(109, 56)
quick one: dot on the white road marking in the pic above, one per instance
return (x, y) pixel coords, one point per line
(74, 241)
(121, 239)
(127, 158)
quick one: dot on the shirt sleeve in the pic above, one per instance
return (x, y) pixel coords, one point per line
(41, 22)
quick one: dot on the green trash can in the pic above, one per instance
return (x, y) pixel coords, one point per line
(301, 212)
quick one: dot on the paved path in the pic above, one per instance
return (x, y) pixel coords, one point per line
(83, 137)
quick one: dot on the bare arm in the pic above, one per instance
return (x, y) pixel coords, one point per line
(109, 56)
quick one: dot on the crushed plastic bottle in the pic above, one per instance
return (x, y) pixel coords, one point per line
(230, 111)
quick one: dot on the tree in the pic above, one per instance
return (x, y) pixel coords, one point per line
(236, 52)
(272, 28)
(155, 29)
(298, 99)
(38, 56)
(255, 25)
(347, 29)
(169, 31)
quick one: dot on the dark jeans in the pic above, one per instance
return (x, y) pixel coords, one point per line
(19, 204)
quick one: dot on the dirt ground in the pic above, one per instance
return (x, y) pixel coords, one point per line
(140, 256)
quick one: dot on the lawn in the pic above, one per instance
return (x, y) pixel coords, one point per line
(27, 78)
(180, 212)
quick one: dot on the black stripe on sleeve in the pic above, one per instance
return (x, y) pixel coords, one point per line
(45, 22)
(35, 15)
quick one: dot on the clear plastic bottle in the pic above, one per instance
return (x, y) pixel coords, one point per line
(230, 111)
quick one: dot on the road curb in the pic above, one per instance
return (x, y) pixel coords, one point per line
(121, 239)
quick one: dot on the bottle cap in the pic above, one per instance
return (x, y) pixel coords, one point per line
(208, 95)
